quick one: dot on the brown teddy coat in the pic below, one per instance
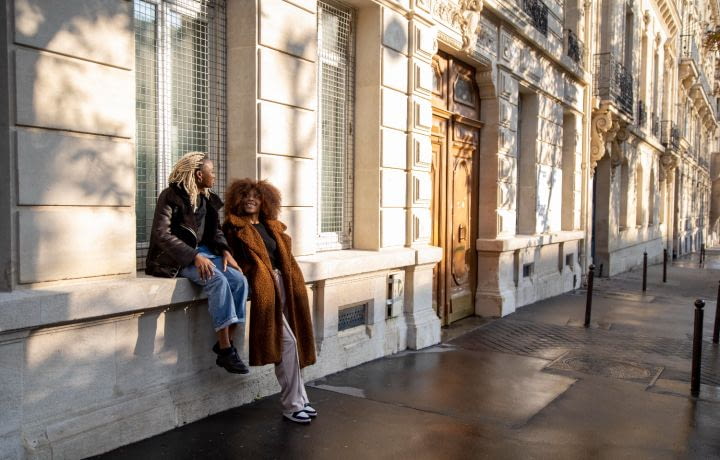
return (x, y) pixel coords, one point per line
(266, 312)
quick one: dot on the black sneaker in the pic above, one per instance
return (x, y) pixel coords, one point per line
(298, 417)
(308, 409)
(232, 363)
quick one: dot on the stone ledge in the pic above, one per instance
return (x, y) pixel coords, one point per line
(335, 264)
(84, 300)
(526, 241)
(44, 306)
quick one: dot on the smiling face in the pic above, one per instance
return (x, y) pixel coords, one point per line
(251, 203)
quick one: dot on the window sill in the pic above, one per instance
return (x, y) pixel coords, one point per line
(515, 242)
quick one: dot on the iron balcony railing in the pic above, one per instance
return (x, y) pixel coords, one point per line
(705, 85)
(689, 48)
(641, 114)
(574, 47)
(670, 134)
(538, 12)
(614, 82)
(703, 162)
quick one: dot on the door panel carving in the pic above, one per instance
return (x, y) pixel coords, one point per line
(455, 137)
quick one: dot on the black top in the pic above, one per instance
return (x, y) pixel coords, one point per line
(200, 213)
(173, 238)
(270, 243)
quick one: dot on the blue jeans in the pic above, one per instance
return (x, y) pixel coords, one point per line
(227, 291)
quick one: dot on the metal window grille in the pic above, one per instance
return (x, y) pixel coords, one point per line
(336, 69)
(180, 95)
(352, 316)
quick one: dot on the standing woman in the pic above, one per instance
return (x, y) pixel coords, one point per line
(281, 331)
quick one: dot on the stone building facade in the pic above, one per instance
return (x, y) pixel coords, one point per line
(654, 125)
(436, 160)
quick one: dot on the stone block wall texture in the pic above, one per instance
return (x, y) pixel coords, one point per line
(73, 124)
(112, 358)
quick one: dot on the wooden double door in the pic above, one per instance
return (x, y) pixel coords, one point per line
(455, 136)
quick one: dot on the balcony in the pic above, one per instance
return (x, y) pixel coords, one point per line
(574, 47)
(689, 48)
(705, 85)
(703, 162)
(670, 135)
(538, 12)
(613, 82)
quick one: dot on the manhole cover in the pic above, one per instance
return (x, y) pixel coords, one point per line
(605, 367)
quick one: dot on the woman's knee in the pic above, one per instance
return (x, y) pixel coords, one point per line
(236, 277)
(217, 278)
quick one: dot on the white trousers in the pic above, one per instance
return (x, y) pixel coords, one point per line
(292, 388)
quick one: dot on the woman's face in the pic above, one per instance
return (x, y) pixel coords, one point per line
(251, 203)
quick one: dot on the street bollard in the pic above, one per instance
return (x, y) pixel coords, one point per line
(697, 348)
(601, 270)
(716, 327)
(664, 265)
(588, 303)
(644, 271)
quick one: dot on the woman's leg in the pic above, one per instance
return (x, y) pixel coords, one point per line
(221, 304)
(292, 389)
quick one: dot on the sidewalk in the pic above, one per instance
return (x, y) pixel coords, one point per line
(535, 384)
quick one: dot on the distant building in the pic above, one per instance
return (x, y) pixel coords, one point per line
(654, 130)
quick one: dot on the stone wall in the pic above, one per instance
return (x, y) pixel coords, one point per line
(96, 355)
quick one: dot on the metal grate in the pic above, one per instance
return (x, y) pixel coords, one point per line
(336, 68)
(180, 95)
(353, 316)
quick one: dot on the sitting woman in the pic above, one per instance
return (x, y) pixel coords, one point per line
(281, 331)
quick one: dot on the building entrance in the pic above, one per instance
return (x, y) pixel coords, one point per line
(455, 136)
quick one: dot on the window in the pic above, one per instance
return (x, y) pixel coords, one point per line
(624, 187)
(629, 44)
(180, 84)
(336, 67)
(528, 270)
(569, 160)
(651, 198)
(527, 193)
(639, 211)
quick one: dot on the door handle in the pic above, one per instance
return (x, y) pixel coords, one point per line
(462, 232)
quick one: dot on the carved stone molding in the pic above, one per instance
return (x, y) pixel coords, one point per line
(601, 124)
(617, 136)
(668, 161)
(607, 128)
(463, 16)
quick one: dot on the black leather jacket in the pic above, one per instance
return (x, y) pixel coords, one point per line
(173, 239)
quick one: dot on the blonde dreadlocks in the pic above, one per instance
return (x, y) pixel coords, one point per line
(183, 174)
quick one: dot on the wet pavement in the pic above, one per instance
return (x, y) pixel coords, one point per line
(535, 384)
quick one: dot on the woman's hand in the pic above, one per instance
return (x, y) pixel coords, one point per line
(228, 259)
(204, 267)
